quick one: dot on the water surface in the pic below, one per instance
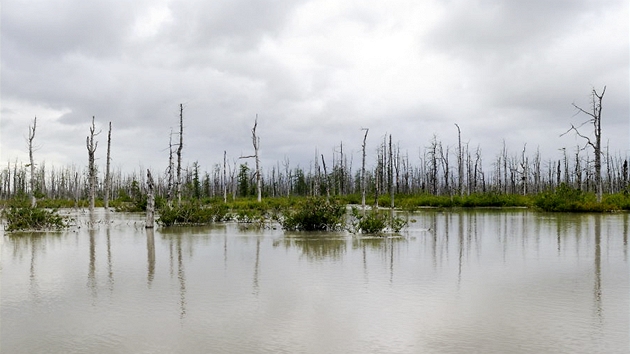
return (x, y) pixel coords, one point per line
(481, 281)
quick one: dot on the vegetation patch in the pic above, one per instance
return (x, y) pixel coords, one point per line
(568, 199)
(314, 214)
(375, 222)
(475, 200)
(20, 216)
(192, 213)
(619, 200)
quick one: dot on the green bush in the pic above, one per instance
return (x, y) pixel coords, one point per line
(314, 214)
(620, 201)
(25, 217)
(375, 222)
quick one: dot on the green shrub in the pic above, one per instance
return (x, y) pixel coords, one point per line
(25, 217)
(620, 201)
(314, 214)
(375, 222)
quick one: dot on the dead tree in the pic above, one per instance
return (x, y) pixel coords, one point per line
(460, 162)
(327, 180)
(524, 171)
(31, 136)
(624, 174)
(596, 119)
(363, 171)
(178, 182)
(169, 171)
(150, 218)
(390, 172)
(91, 148)
(256, 143)
(107, 181)
(433, 154)
(224, 176)
(445, 167)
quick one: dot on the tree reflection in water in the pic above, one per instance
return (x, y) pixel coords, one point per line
(150, 255)
(315, 245)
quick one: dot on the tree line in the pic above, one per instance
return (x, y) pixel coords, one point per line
(435, 169)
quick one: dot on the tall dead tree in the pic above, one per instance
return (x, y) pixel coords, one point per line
(31, 136)
(91, 148)
(224, 176)
(150, 217)
(595, 115)
(460, 162)
(363, 170)
(390, 173)
(326, 179)
(256, 143)
(169, 171)
(178, 181)
(107, 182)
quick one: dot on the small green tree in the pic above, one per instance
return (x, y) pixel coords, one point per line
(243, 180)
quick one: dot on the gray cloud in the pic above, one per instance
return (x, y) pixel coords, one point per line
(315, 72)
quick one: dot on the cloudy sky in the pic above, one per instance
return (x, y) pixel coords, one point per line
(315, 72)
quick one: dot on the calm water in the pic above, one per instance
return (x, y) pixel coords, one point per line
(456, 282)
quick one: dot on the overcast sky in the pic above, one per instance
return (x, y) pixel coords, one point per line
(315, 72)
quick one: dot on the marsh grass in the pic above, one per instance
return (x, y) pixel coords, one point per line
(568, 199)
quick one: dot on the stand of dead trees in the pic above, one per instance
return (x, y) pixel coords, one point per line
(509, 172)
(435, 169)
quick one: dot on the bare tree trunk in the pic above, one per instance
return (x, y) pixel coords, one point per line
(91, 148)
(524, 171)
(445, 167)
(537, 177)
(326, 179)
(169, 171)
(256, 143)
(363, 171)
(178, 182)
(624, 174)
(150, 218)
(391, 174)
(434, 165)
(460, 165)
(76, 189)
(578, 170)
(316, 179)
(31, 136)
(107, 175)
(224, 176)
